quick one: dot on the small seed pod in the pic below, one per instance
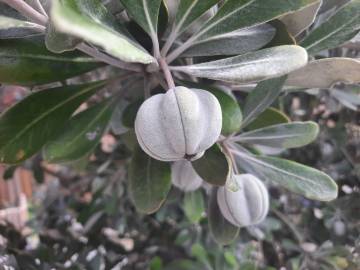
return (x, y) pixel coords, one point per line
(180, 124)
(184, 177)
(247, 206)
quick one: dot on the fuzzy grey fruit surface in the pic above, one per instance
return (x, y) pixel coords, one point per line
(247, 206)
(180, 124)
(184, 177)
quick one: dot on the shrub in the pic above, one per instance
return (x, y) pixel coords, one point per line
(173, 93)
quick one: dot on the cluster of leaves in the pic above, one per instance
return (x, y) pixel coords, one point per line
(224, 47)
(314, 235)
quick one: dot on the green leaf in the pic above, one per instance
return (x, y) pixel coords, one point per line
(194, 206)
(190, 10)
(339, 28)
(172, 6)
(15, 28)
(150, 182)
(282, 36)
(164, 18)
(231, 113)
(32, 122)
(348, 99)
(223, 232)
(115, 6)
(89, 20)
(81, 134)
(259, 99)
(129, 114)
(28, 62)
(290, 135)
(331, 5)
(269, 117)
(253, 66)
(324, 73)
(233, 43)
(213, 167)
(57, 42)
(237, 14)
(298, 178)
(299, 21)
(145, 13)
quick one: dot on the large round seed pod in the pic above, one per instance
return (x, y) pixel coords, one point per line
(184, 177)
(247, 206)
(180, 124)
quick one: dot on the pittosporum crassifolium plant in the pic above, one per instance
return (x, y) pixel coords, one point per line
(189, 124)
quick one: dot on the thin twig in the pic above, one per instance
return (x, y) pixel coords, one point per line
(190, 42)
(169, 42)
(107, 59)
(235, 139)
(290, 225)
(156, 46)
(179, 50)
(227, 148)
(176, 29)
(41, 8)
(167, 73)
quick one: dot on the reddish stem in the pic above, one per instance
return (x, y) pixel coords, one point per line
(169, 79)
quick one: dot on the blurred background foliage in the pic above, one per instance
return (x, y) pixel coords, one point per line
(81, 216)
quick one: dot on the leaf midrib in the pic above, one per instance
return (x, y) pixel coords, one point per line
(148, 19)
(248, 117)
(306, 180)
(272, 137)
(99, 115)
(237, 34)
(206, 29)
(213, 65)
(286, 133)
(186, 15)
(38, 119)
(330, 34)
